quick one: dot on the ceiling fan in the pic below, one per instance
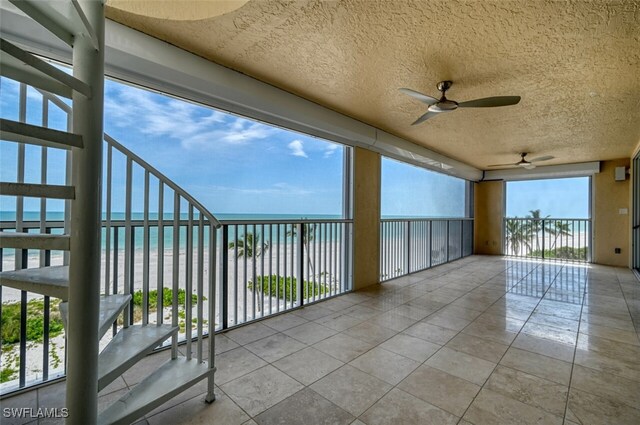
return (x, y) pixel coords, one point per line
(529, 165)
(445, 105)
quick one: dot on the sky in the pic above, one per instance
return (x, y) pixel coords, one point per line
(234, 165)
(558, 198)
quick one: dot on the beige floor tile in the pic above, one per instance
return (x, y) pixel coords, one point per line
(431, 333)
(351, 389)
(343, 347)
(370, 332)
(308, 365)
(462, 365)
(261, 389)
(224, 343)
(441, 389)
(491, 332)
(197, 412)
(249, 333)
(338, 321)
(529, 389)
(627, 337)
(483, 348)
(313, 312)
(274, 347)
(447, 320)
(399, 407)
(595, 319)
(305, 407)
(545, 347)
(555, 321)
(310, 333)
(385, 365)
(235, 363)
(414, 348)
(286, 321)
(538, 365)
(393, 321)
(551, 333)
(589, 409)
(24, 400)
(491, 408)
(411, 312)
(361, 312)
(606, 385)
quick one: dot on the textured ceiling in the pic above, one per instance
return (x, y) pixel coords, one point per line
(576, 65)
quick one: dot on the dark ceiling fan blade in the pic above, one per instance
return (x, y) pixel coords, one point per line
(424, 117)
(421, 97)
(542, 158)
(489, 102)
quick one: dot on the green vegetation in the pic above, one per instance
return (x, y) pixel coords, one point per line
(10, 326)
(563, 252)
(286, 288)
(167, 298)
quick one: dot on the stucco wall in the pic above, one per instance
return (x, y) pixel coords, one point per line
(366, 218)
(488, 212)
(610, 228)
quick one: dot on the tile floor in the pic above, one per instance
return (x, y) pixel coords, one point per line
(483, 340)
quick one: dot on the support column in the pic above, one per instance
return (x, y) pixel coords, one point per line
(84, 267)
(489, 214)
(366, 218)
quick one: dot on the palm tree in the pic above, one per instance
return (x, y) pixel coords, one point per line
(560, 229)
(518, 235)
(536, 225)
(247, 242)
(308, 235)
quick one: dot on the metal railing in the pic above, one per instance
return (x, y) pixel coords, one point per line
(272, 266)
(566, 239)
(409, 245)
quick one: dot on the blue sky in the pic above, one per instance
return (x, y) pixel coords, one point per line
(235, 165)
(558, 198)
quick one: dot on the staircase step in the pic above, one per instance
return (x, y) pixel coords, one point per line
(128, 347)
(20, 240)
(37, 190)
(51, 281)
(110, 307)
(171, 379)
(26, 133)
(27, 68)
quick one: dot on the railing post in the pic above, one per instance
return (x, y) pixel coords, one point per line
(224, 308)
(447, 244)
(430, 245)
(408, 236)
(299, 252)
(543, 237)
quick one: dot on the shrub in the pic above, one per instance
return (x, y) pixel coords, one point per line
(10, 324)
(167, 298)
(285, 287)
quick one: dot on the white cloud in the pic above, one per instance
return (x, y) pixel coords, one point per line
(297, 149)
(330, 150)
(194, 126)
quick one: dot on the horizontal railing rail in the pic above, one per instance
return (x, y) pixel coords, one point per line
(566, 239)
(408, 245)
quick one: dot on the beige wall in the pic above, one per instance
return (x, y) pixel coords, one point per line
(610, 228)
(489, 205)
(366, 218)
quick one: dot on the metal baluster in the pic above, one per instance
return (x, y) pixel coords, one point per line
(145, 253)
(175, 271)
(107, 267)
(212, 310)
(188, 295)
(225, 276)
(254, 260)
(244, 284)
(300, 264)
(235, 274)
(278, 269)
(128, 284)
(267, 245)
(270, 268)
(160, 277)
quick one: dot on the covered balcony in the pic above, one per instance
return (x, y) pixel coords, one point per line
(473, 258)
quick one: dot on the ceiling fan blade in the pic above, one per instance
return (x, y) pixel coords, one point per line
(421, 97)
(489, 102)
(529, 166)
(542, 158)
(503, 165)
(424, 118)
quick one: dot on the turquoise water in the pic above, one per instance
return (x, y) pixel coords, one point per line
(138, 234)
